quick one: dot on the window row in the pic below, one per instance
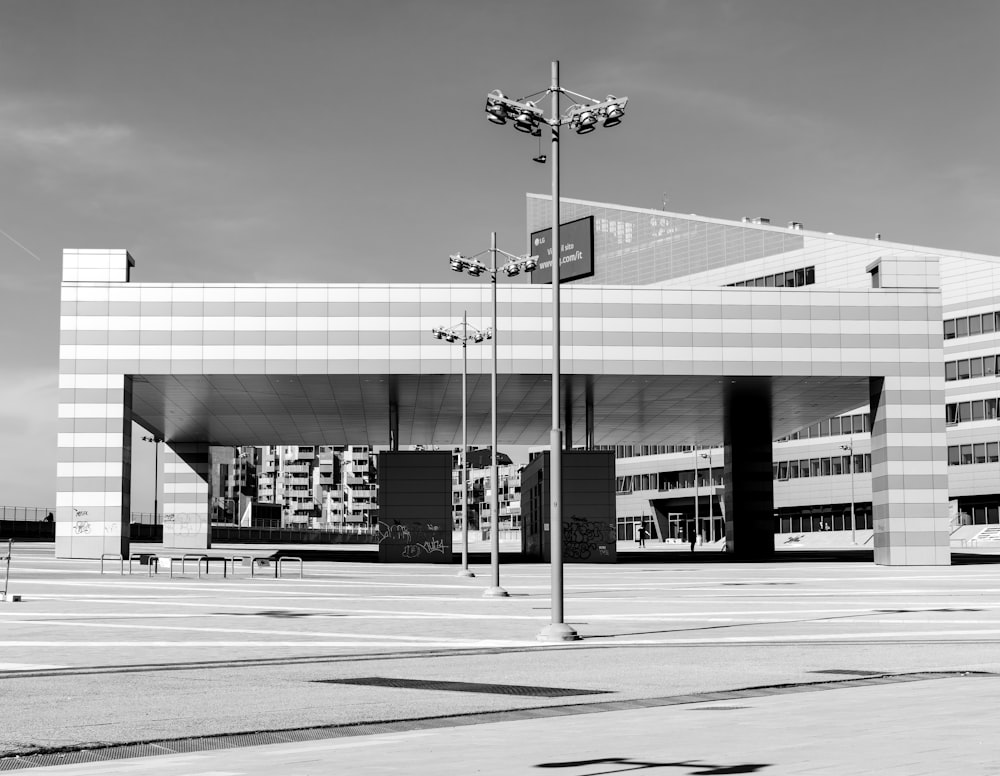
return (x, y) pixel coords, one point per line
(804, 276)
(969, 368)
(859, 423)
(971, 325)
(966, 411)
(822, 467)
(980, 452)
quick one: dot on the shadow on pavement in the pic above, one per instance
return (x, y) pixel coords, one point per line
(622, 764)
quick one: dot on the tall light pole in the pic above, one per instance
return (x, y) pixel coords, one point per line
(514, 266)
(452, 335)
(850, 446)
(156, 475)
(711, 494)
(582, 116)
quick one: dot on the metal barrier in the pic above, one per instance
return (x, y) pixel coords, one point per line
(197, 558)
(277, 566)
(113, 556)
(6, 576)
(152, 562)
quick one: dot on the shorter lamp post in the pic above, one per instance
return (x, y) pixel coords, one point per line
(514, 266)
(462, 332)
(711, 497)
(850, 447)
(156, 475)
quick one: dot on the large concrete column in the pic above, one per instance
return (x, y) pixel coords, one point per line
(749, 494)
(94, 444)
(186, 521)
(909, 471)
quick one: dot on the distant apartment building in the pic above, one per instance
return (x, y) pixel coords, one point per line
(480, 491)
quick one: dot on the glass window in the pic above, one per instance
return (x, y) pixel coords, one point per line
(814, 467)
(790, 279)
(949, 329)
(835, 426)
(963, 369)
(951, 413)
(758, 282)
(953, 455)
(992, 515)
(964, 411)
(800, 277)
(992, 452)
(824, 467)
(990, 406)
(966, 454)
(988, 322)
(783, 470)
(769, 281)
(989, 365)
(950, 370)
(859, 423)
(979, 515)
(867, 417)
(975, 367)
(961, 327)
(779, 280)
(978, 412)
(837, 465)
(804, 467)
(810, 275)
(979, 452)
(975, 325)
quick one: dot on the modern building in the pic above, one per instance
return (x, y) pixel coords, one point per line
(824, 468)
(685, 331)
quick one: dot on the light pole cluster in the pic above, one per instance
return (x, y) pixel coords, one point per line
(464, 333)
(582, 115)
(514, 266)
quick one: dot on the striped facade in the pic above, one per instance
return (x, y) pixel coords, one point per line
(197, 364)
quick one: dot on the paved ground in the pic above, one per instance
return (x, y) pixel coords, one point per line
(853, 668)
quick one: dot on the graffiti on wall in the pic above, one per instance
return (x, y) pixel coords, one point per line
(584, 539)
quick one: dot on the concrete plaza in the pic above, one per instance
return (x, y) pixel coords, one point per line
(685, 666)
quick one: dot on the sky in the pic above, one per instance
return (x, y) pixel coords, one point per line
(345, 141)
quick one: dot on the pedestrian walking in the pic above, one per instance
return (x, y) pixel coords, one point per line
(694, 539)
(640, 534)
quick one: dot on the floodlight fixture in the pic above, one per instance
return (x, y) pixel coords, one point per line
(614, 111)
(583, 119)
(528, 118)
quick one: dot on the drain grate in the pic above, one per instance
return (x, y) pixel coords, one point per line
(493, 689)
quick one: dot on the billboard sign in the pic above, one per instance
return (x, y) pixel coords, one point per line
(576, 255)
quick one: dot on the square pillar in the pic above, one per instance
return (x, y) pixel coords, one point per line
(186, 523)
(909, 471)
(94, 465)
(749, 493)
